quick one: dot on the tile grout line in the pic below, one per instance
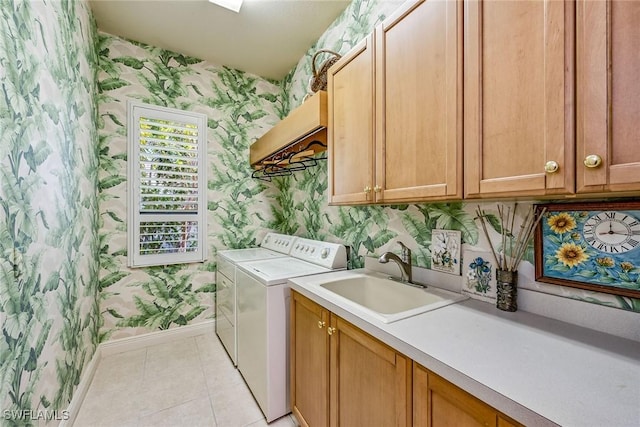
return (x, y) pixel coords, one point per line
(206, 383)
(186, 339)
(141, 383)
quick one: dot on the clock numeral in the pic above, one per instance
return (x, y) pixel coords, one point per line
(634, 223)
(610, 215)
(631, 242)
(591, 240)
(588, 229)
(602, 247)
(614, 249)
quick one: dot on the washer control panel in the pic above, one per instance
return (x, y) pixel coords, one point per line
(326, 254)
(278, 242)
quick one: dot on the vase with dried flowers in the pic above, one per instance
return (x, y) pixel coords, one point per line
(513, 244)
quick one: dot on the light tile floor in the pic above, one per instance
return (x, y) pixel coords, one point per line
(189, 382)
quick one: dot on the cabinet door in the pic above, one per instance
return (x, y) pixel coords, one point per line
(370, 382)
(419, 103)
(350, 139)
(439, 403)
(309, 362)
(518, 101)
(608, 60)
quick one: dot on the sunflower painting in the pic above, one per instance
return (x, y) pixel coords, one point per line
(561, 223)
(571, 255)
(564, 256)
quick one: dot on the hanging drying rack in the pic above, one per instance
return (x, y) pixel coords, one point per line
(289, 160)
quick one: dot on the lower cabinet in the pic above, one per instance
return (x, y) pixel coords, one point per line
(342, 376)
(438, 403)
(370, 383)
(309, 359)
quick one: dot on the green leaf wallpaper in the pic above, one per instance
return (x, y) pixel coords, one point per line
(64, 281)
(49, 207)
(240, 107)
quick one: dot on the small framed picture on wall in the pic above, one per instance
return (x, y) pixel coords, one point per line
(445, 251)
(479, 275)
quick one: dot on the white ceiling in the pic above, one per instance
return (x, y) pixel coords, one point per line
(267, 37)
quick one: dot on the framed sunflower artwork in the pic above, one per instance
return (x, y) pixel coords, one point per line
(593, 246)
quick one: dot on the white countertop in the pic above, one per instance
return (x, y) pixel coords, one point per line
(537, 370)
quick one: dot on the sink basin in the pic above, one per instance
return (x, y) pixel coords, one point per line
(389, 300)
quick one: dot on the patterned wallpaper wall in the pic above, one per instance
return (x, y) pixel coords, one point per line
(64, 283)
(302, 201)
(240, 108)
(48, 204)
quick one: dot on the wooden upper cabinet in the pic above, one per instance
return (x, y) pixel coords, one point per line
(419, 103)
(350, 85)
(608, 90)
(400, 92)
(518, 101)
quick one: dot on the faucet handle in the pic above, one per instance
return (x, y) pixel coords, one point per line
(406, 253)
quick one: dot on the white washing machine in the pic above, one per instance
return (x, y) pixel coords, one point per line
(263, 318)
(273, 246)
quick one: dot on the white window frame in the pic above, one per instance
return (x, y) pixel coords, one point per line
(136, 110)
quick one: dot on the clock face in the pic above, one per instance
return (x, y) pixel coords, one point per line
(612, 232)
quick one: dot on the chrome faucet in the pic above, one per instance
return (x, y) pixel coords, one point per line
(404, 263)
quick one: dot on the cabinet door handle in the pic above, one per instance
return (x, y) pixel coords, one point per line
(321, 324)
(377, 189)
(367, 189)
(331, 330)
(592, 161)
(551, 166)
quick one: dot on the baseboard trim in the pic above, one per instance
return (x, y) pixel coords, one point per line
(154, 338)
(83, 387)
(126, 344)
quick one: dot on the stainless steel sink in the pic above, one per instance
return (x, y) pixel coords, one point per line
(389, 300)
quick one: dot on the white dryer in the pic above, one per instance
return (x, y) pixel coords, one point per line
(273, 246)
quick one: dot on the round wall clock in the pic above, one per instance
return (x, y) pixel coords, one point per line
(594, 246)
(612, 231)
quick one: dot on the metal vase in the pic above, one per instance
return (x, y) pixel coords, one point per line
(507, 290)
